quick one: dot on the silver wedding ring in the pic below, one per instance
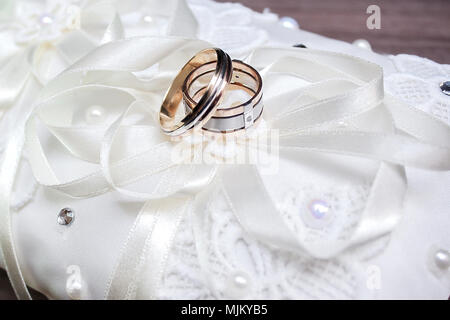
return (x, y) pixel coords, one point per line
(230, 118)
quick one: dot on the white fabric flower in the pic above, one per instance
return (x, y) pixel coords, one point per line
(43, 21)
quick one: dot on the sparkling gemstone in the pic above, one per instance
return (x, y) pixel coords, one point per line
(66, 216)
(95, 115)
(442, 259)
(319, 208)
(46, 19)
(445, 87)
(289, 22)
(248, 119)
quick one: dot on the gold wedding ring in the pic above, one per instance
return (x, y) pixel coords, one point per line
(201, 85)
(176, 123)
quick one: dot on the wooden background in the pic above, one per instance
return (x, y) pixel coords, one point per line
(420, 27)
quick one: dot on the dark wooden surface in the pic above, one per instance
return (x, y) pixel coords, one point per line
(420, 27)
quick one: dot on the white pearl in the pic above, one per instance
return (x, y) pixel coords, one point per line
(95, 115)
(363, 44)
(239, 285)
(240, 280)
(342, 124)
(317, 214)
(289, 22)
(442, 259)
(147, 19)
(319, 208)
(46, 19)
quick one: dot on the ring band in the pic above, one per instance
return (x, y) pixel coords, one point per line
(205, 108)
(235, 117)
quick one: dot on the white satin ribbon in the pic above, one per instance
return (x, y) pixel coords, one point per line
(304, 116)
(72, 47)
(13, 80)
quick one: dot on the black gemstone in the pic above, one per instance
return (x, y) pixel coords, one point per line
(445, 87)
(299, 45)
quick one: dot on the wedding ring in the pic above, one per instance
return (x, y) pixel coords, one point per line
(172, 121)
(227, 118)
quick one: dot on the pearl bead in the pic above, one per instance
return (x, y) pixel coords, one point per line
(316, 214)
(289, 22)
(319, 208)
(239, 285)
(442, 259)
(342, 124)
(445, 87)
(240, 280)
(46, 19)
(363, 44)
(147, 19)
(95, 115)
(66, 216)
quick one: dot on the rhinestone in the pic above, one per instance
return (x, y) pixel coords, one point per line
(248, 119)
(442, 259)
(445, 87)
(66, 216)
(299, 45)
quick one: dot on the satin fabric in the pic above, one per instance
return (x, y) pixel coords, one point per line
(26, 72)
(126, 151)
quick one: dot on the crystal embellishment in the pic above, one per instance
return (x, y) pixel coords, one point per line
(66, 216)
(445, 87)
(248, 118)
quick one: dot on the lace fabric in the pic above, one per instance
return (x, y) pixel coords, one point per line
(417, 82)
(272, 274)
(275, 274)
